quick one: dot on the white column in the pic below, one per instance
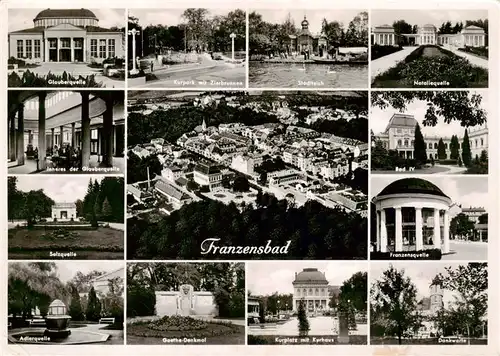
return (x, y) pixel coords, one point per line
(399, 230)
(483, 40)
(383, 232)
(46, 49)
(437, 230)
(378, 232)
(418, 229)
(85, 49)
(480, 235)
(393, 42)
(446, 233)
(58, 47)
(72, 49)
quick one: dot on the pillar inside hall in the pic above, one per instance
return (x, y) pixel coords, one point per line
(107, 134)
(20, 135)
(419, 239)
(437, 230)
(399, 230)
(30, 137)
(42, 148)
(378, 232)
(446, 233)
(13, 141)
(383, 231)
(58, 47)
(61, 135)
(46, 49)
(72, 49)
(52, 140)
(73, 138)
(85, 130)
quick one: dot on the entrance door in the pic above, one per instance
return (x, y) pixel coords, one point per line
(64, 55)
(53, 50)
(64, 214)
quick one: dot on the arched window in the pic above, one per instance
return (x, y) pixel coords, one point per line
(406, 143)
(482, 142)
(304, 292)
(399, 143)
(316, 292)
(435, 145)
(430, 145)
(476, 142)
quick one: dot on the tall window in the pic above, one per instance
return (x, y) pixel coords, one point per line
(29, 53)
(65, 43)
(399, 143)
(93, 48)
(102, 48)
(20, 52)
(37, 49)
(482, 142)
(406, 143)
(111, 48)
(430, 145)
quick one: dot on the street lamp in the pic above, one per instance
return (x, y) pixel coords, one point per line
(133, 33)
(233, 36)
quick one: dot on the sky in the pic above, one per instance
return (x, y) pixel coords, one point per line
(61, 189)
(315, 17)
(170, 17)
(20, 19)
(379, 118)
(423, 17)
(265, 278)
(67, 270)
(421, 274)
(468, 191)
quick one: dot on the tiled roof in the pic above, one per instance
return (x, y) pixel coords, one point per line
(170, 190)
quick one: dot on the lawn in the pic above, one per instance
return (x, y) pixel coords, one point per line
(100, 243)
(436, 65)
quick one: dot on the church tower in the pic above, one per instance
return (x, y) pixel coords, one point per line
(305, 23)
(436, 294)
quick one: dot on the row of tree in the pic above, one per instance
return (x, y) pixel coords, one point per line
(32, 206)
(103, 201)
(268, 37)
(225, 280)
(395, 310)
(199, 31)
(315, 231)
(37, 284)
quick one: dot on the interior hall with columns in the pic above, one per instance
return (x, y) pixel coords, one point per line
(412, 214)
(66, 131)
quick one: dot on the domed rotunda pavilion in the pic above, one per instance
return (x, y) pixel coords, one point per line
(412, 215)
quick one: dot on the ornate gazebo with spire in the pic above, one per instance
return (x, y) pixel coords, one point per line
(304, 40)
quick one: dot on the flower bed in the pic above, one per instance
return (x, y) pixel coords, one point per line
(446, 70)
(181, 326)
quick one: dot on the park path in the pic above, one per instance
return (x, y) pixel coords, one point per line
(382, 64)
(452, 169)
(474, 60)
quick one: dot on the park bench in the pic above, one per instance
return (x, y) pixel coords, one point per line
(37, 322)
(107, 321)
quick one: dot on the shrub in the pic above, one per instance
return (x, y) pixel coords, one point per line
(378, 51)
(93, 312)
(141, 301)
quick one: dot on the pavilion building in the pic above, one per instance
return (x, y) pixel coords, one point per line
(92, 121)
(304, 40)
(412, 215)
(399, 135)
(311, 287)
(64, 212)
(470, 36)
(66, 35)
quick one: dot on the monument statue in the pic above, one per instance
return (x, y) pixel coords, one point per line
(185, 303)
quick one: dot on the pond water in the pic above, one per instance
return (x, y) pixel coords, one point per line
(310, 75)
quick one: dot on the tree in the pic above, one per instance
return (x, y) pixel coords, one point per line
(241, 184)
(461, 225)
(75, 307)
(466, 152)
(454, 147)
(355, 290)
(419, 148)
(401, 26)
(394, 296)
(470, 285)
(303, 322)
(93, 312)
(462, 106)
(107, 212)
(262, 313)
(441, 149)
(483, 219)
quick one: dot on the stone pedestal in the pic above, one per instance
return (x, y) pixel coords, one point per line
(185, 301)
